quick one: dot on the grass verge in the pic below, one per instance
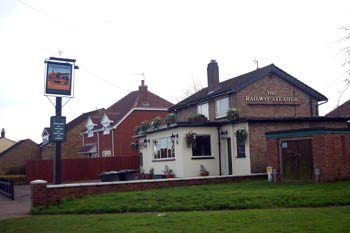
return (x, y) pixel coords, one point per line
(243, 195)
(271, 220)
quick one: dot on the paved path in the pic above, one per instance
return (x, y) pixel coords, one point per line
(20, 206)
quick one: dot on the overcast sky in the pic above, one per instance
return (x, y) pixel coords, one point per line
(171, 42)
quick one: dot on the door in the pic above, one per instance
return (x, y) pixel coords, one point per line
(297, 160)
(229, 156)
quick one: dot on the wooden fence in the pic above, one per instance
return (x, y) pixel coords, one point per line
(79, 169)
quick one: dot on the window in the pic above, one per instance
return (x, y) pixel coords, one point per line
(90, 133)
(203, 109)
(163, 148)
(202, 146)
(240, 148)
(221, 107)
(105, 130)
(106, 153)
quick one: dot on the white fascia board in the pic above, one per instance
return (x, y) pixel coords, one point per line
(137, 109)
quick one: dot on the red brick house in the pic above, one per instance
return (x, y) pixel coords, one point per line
(110, 133)
(15, 157)
(72, 144)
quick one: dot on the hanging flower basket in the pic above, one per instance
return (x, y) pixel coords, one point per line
(145, 125)
(232, 114)
(137, 130)
(191, 139)
(197, 118)
(170, 119)
(134, 146)
(156, 122)
(241, 135)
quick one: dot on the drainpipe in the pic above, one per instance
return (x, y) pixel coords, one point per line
(219, 151)
(113, 142)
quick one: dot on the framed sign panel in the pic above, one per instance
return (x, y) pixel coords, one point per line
(59, 79)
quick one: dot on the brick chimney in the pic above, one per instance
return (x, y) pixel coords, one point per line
(143, 93)
(213, 75)
(2, 133)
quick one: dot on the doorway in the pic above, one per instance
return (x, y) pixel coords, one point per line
(297, 160)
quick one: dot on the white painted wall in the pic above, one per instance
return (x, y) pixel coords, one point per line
(184, 165)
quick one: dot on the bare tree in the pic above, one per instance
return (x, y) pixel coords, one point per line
(194, 86)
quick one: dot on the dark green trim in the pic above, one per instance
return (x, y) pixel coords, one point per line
(306, 133)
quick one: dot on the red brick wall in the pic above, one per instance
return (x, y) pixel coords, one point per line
(125, 131)
(43, 195)
(331, 154)
(258, 144)
(26, 150)
(105, 142)
(267, 109)
(80, 169)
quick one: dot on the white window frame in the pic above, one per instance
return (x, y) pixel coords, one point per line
(220, 105)
(106, 153)
(90, 134)
(157, 146)
(203, 109)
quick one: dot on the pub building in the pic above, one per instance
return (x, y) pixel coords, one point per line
(223, 128)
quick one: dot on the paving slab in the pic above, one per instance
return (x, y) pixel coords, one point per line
(18, 207)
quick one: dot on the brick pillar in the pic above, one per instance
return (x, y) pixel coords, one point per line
(39, 193)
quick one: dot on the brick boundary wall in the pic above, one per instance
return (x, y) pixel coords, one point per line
(43, 194)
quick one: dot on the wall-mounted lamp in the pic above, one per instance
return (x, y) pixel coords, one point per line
(145, 141)
(223, 134)
(173, 136)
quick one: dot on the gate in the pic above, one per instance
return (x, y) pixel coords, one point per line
(297, 160)
(6, 188)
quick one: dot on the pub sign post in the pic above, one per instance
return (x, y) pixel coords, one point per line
(59, 82)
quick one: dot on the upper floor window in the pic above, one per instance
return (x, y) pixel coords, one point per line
(203, 109)
(164, 148)
(221, 107)
(202, 146)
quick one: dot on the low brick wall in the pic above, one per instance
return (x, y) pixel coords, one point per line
(43, 194)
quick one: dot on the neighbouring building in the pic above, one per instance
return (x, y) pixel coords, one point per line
(111, 133)
(340, 111)
(15, 157)
(222, 127)
(72, 144)
(5, 142)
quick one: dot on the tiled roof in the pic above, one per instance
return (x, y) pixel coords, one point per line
(118, 110)
(341, 111)
(238, 83)
(82, 118)
(14, 146)
(88, 148)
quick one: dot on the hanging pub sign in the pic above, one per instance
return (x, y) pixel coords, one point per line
(59, 77)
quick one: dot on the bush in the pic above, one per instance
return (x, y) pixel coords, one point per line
(19, 170)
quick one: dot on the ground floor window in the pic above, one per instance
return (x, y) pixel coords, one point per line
(106, 153)
(163, 148)
(90, 155)
(202, 146)
(240, 148)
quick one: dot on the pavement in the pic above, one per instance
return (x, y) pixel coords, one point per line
(20, 206)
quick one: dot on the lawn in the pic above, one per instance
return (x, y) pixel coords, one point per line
(244, 195)
(262, 220)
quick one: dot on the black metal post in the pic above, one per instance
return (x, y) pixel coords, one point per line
(57, 161)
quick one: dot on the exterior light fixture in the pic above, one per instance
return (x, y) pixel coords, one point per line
(173, 136)
(223, 134)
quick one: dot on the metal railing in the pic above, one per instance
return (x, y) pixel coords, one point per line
(6, 188)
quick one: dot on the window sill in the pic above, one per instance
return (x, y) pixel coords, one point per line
(202, 157)
(162, 160)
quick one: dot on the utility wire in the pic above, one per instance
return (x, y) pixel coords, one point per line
(106, 81)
